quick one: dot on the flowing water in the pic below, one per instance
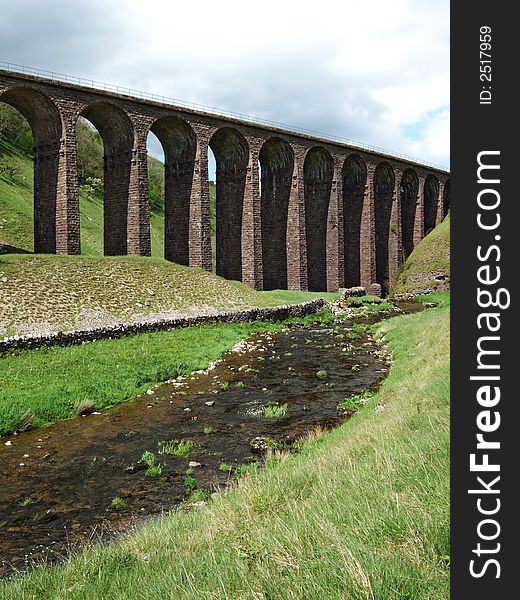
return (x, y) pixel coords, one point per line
(57, 483)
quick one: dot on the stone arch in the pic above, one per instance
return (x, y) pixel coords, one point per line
(318, 171)
(408, 191)
(446, 199)
(116, 131)
(354, 182)
(231, 152)
(46, 124)
(276, 167)
(384, 184)
(179, 144)
(431, 200)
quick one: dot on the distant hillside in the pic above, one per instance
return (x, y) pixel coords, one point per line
(16, 188)
(427, 269)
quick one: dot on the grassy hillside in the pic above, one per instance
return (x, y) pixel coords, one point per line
(49, 293)
(428, 267)
(361, 513)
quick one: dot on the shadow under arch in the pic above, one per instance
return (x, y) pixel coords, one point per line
(384, 183)
(431, 201)
(116, 131)
(318, 170)
(276, 166)
(231, 152)
(45, 122)
(408, 192)
(179, 144)
(354, 181)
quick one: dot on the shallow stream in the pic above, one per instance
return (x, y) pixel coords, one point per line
(57, 484)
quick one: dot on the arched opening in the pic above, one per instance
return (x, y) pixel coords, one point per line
(446, 199)
(354, 181)
(212, 185)
(116, 132)
(156, 176)
(276, 168)
(318, 170)
(408, 194)
(231, 157)
(179, 145)
(45, 124)
(89, 156)
(384, 182)
(431, 200)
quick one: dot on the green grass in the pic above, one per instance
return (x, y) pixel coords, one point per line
(294, 297)
(429, 260)
(352, 404)
(361, 512)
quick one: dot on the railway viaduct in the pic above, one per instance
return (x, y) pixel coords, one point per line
(293, 211)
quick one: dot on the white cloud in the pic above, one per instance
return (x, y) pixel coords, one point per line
(365, 71)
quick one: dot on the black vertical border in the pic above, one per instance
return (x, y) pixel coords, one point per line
(475, 128)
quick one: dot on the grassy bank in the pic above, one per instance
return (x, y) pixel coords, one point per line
(361, 513)
(427, 269)
(50, 293)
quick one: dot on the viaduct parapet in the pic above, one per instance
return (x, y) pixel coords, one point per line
(293, 211)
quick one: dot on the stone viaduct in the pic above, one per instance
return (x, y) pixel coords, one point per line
(294, 211)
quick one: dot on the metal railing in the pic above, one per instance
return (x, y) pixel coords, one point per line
(175, 102)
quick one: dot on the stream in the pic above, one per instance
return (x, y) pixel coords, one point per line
(58, 483)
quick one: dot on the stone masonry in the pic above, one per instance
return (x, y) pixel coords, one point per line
(293, 211)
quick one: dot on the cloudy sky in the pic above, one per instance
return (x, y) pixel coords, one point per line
(375, 72)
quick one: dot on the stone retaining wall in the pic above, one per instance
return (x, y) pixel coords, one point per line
(71, 338)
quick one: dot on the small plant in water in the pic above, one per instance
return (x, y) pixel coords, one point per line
(208, 430)
(148, 458)
(118, 502)
(176, 447)
(225, 467)
(154, 471)
(224, 386)
(239, 385)
(275, 411)
(321, 374)
(27, 501)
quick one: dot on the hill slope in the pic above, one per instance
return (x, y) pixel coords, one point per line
(427, 269)
(49, 293)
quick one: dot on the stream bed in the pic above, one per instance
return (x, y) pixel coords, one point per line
(62, 484)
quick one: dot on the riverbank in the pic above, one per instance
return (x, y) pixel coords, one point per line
(109, 371)
(361, 512)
